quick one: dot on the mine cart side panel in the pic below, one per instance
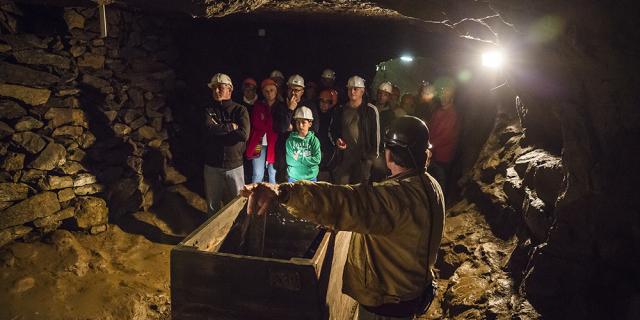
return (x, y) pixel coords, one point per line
(210, 235)
(222, 286)
(340, 305)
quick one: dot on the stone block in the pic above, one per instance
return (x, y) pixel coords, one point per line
(38, 206)
(72, 167)
(10, 234)
(52, 219)
(51, 157)
(28, 123)
(13, 162)
(13, 191)
(89, 189)
(91, 60)
(121, 130)
(62, 116)
(32, 176)
(65, 195)
(145, 133)
(67, 92)
(136, 124)
(86, 140)
(95, 82)
(41, 57)
(172, 176)
(76, 154)
(90, 211)
(28, 95)
(5, 130)
(17, 74)
(73, 19)
(29, 141)
(69, 131)
(24, 41)
(98, 229)
(84, 179)
(77, 51)
(11, 110)
(56, 182)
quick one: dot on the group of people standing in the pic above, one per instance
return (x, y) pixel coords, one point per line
(299, 131)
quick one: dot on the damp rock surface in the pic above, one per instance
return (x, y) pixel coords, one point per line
(111, 275)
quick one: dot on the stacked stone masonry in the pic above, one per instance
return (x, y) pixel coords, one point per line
(79, 116)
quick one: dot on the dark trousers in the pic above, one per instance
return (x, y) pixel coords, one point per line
(351, 170)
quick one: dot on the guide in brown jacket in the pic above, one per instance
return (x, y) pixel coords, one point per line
(397, 224)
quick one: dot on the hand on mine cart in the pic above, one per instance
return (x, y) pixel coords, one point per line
(261, 196)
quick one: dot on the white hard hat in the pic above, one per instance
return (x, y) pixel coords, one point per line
(355, 82)
(386, 87)
(296, 80)
(329, 74)
(303, 113)
(220, 78)
(276, 74)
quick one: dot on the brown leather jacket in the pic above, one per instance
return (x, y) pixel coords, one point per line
(387, 260)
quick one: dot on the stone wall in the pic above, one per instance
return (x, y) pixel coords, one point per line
(84, 120)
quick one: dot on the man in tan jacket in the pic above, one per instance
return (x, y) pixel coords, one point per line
(397, 224)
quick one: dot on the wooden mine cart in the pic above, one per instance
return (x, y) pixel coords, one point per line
(236, 266)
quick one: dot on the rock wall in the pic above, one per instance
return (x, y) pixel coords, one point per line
(84, 120)
(574, 212)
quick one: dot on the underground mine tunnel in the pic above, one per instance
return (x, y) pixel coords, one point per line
(103, 212)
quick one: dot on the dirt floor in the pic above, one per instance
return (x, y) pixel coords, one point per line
(124, 275)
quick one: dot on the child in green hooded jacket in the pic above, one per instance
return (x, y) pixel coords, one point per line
(303, 148)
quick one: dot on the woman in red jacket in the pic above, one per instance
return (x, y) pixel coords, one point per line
(261, 147)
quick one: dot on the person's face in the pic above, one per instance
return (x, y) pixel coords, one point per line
(383, 97)
(354, 93)
(296, 91)
(428, 93)
(221, 92)
(270, 93)
(327, 82)
(447, 95)
(395, 96)
(249, 91)
(303, 125)
(407, 101)
(325, 104)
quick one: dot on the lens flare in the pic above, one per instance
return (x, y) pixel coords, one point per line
(406, 58)
(492, 59)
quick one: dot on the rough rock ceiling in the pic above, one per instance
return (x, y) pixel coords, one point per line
(472, 19)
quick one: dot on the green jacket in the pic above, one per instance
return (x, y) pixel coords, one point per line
(390, 220)
(303, 156)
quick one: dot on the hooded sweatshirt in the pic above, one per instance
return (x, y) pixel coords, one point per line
(303, 156)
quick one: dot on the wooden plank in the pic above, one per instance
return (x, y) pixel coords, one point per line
(340, 306)
(210, 235)
(222, 286)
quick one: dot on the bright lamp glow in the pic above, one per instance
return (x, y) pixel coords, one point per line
(492, 59)
(406, 58)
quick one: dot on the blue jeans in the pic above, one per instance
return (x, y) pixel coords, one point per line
(312, 179)
(259, 166)
(221, 186)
